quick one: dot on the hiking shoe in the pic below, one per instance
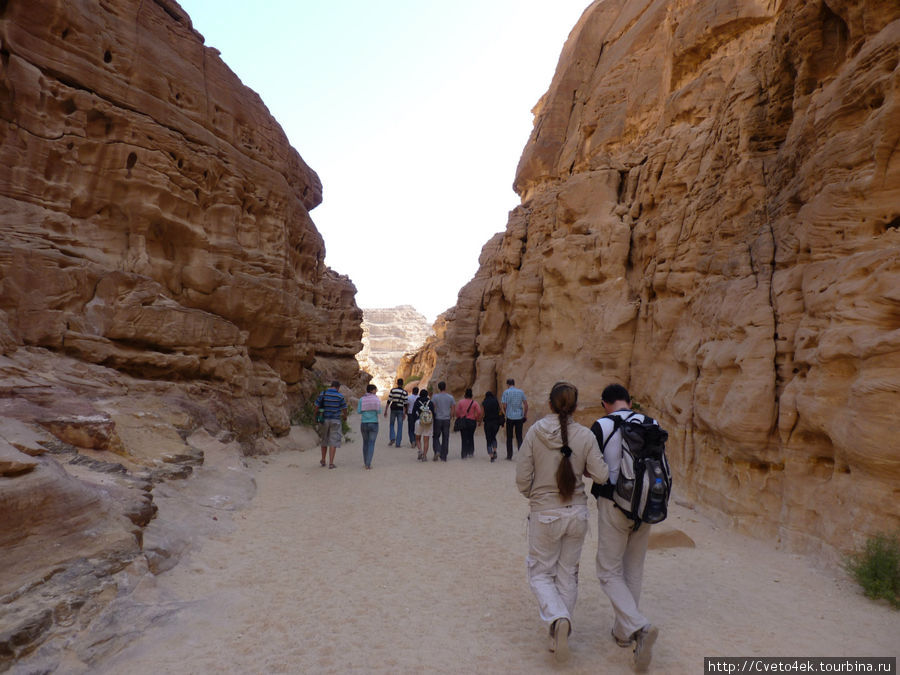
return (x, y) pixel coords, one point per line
(560, 639)
(419, 457)
(435, 458)
(643, 644)
(619, 641)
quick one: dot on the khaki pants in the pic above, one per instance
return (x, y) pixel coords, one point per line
(620, 565)
(555, 537)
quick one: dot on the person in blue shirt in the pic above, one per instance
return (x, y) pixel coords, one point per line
(332, 408)
(514, 405)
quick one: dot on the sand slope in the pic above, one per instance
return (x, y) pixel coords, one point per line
(415, 567)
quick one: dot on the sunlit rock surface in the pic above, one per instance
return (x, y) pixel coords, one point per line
(388, 334)
(160, 277)
(711, 215)
(155, 217)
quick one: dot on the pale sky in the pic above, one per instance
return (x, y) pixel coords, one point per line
(414, 114)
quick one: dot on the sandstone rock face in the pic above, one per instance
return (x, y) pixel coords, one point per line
(155, 218)
(83, 522)
(388, 334)
(423, 364)
(711, 215)
(160, 278)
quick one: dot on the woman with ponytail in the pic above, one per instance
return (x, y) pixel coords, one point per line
(556, 453)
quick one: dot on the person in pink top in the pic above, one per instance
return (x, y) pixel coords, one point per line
(468, 415)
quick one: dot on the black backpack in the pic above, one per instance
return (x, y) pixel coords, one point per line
(644, 484)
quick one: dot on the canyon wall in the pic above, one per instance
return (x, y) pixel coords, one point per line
(388, 334)
(710, 215)
(163, 294)
(155, 217)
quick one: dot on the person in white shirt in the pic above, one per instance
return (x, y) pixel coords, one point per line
(621, 549)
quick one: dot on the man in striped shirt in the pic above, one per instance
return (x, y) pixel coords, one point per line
(332, 407)
(397, 405)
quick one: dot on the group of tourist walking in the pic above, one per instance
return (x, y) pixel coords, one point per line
(553, 456)
(431, 416)
(428, 418)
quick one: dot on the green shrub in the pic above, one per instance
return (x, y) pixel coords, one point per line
(877, 568)
(306, 415)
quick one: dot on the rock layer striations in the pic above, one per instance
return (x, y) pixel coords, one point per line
(163, 301)
(711, 214)
(155, 217)
(388, 334)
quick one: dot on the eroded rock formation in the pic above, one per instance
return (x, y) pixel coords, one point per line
(388, 334)
(711, 214)
(156, 219)
(160, 277)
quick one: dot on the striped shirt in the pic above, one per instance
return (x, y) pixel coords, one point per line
(397, 398)
(331, 403)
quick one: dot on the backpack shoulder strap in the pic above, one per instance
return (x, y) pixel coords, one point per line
(617, 423)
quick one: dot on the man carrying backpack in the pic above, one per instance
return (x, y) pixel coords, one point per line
(622, 532)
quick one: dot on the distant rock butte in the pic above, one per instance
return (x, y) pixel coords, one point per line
(388, 334)
(711, 215)
(160, 276)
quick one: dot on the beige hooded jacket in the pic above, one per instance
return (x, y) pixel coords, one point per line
(540, 455)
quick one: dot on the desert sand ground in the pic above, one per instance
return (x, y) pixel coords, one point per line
(419, 568)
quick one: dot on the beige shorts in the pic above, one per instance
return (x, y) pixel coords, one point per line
(423, 429)
(331, 433)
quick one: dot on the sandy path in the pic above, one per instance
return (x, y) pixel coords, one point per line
(414, 567)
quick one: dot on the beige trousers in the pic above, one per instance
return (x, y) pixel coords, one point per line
(620, 565)
(555, 537)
